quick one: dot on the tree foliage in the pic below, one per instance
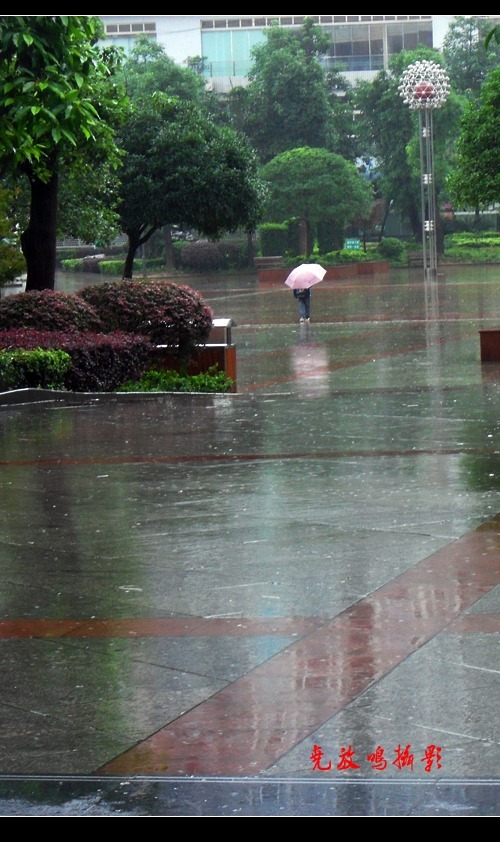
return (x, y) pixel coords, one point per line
(385, 126)
(149, 69)
(182, 169)
(475, 180)
(48, 67)
(12, 262)
(467, 60)
(88, 197)
(492, 37)
(315, 185)
(389, 131)
(290, 101)
(55, 104)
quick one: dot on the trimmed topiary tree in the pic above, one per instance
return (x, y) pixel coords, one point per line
(391, 248)
(168, 313)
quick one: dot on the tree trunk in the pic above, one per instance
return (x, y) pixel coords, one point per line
(169, 247)
(133, 245)
(439, 233)
(415, 222)
(338, 237)
(304, 237)
(387, 211)
(38, 241)
(250, 249)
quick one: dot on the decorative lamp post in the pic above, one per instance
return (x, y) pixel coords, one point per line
(424, 87)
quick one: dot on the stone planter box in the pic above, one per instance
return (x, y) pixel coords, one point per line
(218, 351)
(278, 275)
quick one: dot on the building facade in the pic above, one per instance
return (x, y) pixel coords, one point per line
(361, 45)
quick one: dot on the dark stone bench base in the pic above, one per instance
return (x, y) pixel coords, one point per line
(490, 345)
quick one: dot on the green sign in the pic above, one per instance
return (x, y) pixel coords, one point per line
(352, 244)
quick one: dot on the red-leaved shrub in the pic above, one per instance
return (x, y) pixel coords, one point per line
(100, 362)
(169, 314)
(48, 309)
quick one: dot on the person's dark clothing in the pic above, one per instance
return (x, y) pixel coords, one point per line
(303, 296)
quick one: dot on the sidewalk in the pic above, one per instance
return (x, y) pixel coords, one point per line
(279, 602)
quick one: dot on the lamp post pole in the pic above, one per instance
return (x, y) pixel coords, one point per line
(424, 86)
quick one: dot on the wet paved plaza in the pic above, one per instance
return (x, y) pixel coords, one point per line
(279, 602)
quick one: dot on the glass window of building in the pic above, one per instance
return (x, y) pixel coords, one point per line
(228, 53)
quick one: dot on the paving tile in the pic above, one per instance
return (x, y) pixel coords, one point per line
(208, 586)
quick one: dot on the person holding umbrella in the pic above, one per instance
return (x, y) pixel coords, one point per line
(300, 280)
(303, 296)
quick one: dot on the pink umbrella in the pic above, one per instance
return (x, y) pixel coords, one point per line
(305, 276)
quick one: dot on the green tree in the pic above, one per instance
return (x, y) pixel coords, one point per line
(342, 137)
(467, 61)
(315, 186)
(88, 196)
(182, 169)
(148, 70)
(385, 127)
(287, 103)
(389, 132)
(475, 180)
(55, 106)
(12, 263)
(492, 37)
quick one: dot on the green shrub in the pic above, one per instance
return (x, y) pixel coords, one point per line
(37, 369)
(295, 260)
(99, 362)
(200, 257)
(341, 256)
(273, 238)
(112, 267)
(462, 254)
(167, 313)
(73, 264)
(352, 256)
(234, 254)
(485, 239)
(173, 381)
(48, 310)
(472, 247)
(391, 248)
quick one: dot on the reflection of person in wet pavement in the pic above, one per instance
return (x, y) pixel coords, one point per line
(303, 296)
